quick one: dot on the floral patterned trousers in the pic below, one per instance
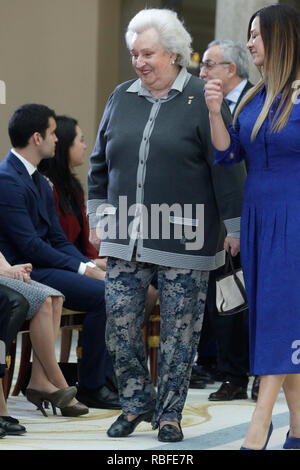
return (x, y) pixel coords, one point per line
(182, 294)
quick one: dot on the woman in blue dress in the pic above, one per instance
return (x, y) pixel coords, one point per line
(267, 130)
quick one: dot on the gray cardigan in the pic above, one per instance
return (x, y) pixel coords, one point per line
(153, 182)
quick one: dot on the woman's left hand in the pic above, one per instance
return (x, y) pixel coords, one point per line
(232, 244)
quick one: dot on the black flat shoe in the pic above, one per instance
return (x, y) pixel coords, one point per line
(200, 373)
(170, 433)
(229, 391)
(11, 426)
(197, 381)
(2, 433)
(122, 428)
(102, 398)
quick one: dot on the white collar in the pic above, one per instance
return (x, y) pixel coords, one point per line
(29, 166)
(178, 84)
(234, 94)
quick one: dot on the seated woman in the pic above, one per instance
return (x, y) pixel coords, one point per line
(47, 382)
(67, 189)
(13, 310)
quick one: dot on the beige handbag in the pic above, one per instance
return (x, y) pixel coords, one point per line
(230, 290)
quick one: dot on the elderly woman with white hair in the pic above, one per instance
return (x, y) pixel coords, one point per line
(159, 206)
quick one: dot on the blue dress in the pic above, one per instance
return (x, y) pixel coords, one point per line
(270, 236)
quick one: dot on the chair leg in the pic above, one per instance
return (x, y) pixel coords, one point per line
(145, 336)
(66, 342)
(7, 379)
(24, 363)
(79, 345)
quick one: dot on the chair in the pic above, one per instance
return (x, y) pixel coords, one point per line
(10, 360)
(70, 319)
(74, 320)
(151, 332)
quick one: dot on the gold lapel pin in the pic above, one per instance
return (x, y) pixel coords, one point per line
(190, 99)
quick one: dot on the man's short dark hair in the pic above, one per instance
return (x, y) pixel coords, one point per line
(26, 120)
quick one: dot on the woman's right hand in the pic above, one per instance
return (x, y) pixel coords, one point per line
(21, 272)
(213, 93)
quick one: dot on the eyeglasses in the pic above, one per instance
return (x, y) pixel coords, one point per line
(210, 64)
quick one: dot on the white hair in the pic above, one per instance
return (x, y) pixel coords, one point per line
(234, 52)
(173, 36)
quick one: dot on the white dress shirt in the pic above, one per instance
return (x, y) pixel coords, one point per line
(235, 93)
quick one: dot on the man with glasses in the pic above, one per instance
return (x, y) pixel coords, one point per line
(228, 61)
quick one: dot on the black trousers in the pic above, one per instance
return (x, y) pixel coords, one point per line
(225, 336)
(13, 311)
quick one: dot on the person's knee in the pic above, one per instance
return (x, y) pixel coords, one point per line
(57, 302)
(47, 307)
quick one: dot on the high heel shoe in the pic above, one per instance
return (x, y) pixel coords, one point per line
(268, 438)
(58, 399)
(291, 442)
(74, 410)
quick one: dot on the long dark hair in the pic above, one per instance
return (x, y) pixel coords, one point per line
(57, 169)
(280, 32)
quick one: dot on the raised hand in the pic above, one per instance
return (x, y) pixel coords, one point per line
(213, 93)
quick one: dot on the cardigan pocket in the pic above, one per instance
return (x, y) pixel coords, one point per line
(189, 231)
(184, 221)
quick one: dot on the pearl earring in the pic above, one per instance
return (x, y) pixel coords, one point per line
(172, 61)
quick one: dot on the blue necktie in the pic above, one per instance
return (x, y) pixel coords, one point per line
(36, 179)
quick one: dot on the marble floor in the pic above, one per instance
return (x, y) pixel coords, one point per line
(206, 426)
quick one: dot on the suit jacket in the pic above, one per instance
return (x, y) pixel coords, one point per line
(245, 89)
(30, 229)
(72, 228)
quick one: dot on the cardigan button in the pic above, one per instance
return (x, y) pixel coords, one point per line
(231, 156)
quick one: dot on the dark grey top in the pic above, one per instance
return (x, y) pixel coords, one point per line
(153, 183)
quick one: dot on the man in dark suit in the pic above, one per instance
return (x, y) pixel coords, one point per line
(30, 231)
(228, 61)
